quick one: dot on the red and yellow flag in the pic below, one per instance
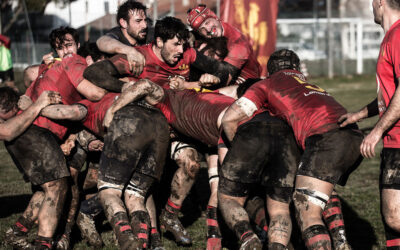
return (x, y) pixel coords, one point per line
(257, 20)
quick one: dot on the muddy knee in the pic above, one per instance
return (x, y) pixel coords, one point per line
(186, 157)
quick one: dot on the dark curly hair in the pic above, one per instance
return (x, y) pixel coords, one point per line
(8, 99)
(123, 10)
(58, 36)
(169, 27)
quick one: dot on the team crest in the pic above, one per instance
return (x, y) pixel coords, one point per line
(183, 67)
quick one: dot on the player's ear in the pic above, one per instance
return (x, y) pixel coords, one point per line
(123, 23)
(159, 42)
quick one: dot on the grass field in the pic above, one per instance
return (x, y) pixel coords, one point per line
(360, 197)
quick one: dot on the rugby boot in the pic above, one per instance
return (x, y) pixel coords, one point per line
(88, 230)
(63, 243)
(43, 243)
(343, 246)
(123, 232)
(276, 246)
(155, 240)
(171, 223)
(214, 238)
(256, 211)
(17, 240)
(140, 223)
(250, 242)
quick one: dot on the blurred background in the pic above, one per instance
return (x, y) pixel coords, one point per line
(332, 37)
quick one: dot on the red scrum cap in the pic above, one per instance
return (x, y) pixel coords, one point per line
(198, 15)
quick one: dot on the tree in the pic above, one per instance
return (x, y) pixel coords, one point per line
(11, 15)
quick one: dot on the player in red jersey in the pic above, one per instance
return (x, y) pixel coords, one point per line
(166, 57)
(135, 143)
(386, 14)
(47, 168)
(312, 113)
(241, 58)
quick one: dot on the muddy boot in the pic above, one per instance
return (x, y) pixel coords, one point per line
(343, 246)
(43, 243)
(123, 232)
(276, 246)
(17, 239)
(63, 243)
(140, 223)
(88, 230)
(171, 223)
(250, 242)
(214, 237)
(155, 240)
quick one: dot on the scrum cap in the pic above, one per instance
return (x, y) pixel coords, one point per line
(198, 15)
(283, 59)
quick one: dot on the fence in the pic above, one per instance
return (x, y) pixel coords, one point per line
(355, 44)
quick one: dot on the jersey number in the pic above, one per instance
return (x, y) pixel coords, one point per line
(309, 86)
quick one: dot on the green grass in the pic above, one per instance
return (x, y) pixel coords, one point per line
(360, 197)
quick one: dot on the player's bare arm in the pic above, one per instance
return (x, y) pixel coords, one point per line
(152, 93)
(112, 46)
(76, 112)
(90, 91)
(233, 115)
(390, 117)
(104, 75)
(224, 71)
(14, 126)
(368, 111)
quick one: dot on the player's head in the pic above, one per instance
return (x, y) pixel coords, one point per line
(171, 36)
(215, 47)
(380, 7)
(91, 53)
(204, 21)
(131, 16)
(65, 41)
(8, 103)
(283, 59)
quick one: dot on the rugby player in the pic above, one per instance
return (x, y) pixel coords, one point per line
(262, 150)
(387, 15)
(45, 164)
(132, 31)
(330, 152)
(136, 144)
(241, 59)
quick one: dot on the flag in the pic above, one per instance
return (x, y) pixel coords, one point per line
(256, 19)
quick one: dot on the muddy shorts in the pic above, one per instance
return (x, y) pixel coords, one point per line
(136, 141)
(38, 155)
(77, 157)
(332, 156)
(390, 168)
(262, 152)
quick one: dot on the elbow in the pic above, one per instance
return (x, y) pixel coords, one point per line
(8, 136)
(80, 112)
(97, 95)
